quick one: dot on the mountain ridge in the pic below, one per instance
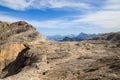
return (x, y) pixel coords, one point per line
(71, 37)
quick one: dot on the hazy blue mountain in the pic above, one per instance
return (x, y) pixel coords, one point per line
(71, 37)
(55, 37)
(82, 36)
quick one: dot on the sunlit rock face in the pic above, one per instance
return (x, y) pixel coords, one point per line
(9, 52)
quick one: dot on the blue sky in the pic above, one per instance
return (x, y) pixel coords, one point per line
(64, 17)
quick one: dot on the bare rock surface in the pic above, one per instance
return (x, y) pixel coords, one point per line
(32, 57)
(19, 32)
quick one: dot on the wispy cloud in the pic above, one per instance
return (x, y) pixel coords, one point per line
(57, 23)
(107, 18)
(59, 4)
(112, 5)
(16, 4)
(43, 4)
(7, 18)
(92, 23)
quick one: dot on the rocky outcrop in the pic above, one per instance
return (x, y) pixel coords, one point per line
(32, 57)
(13, 40)
(19, 32)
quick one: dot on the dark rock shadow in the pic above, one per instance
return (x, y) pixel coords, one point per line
(17, 65)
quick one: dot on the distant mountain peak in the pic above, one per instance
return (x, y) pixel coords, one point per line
(71, 37)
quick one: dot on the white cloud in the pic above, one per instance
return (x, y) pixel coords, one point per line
(106, 19)
(41, 4)
(49, 23)
(42, 24)
(16, 4)
(8, 18)
(59, 4)
(112, 5)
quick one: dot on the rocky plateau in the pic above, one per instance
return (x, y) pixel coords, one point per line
(27, 55)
